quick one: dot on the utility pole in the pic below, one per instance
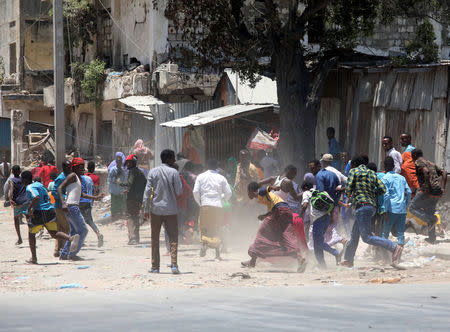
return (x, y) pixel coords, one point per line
(58, 69)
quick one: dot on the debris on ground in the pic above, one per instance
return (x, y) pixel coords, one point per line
(243, 275)
(72, 285)
(385, 280)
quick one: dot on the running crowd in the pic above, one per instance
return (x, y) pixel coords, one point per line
(183, 196)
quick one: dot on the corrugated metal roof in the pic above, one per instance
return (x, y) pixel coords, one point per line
(265, 90)
(216, 115)
(141, 103)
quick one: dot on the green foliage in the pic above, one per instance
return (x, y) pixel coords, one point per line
(80, 24)
(240, 33)
(422, 48)
(94, 76)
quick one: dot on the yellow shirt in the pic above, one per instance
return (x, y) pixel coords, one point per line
(268, 198)
(241, 184)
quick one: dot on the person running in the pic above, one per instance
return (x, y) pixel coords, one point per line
(71, 207)
(61, 219)
(432, 181)
(116, 177)
(210, 190)
(163, 185)
(53, 176)
(42, 214)
(93, 176)
(363, 186)
(396, 200)
(18, 199)
(330, 181)
(320, 221)
(87, 187)
(276, 235)
(135, 187)
(388, 147)
(289, 190)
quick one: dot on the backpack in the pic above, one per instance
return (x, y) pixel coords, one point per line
(320, 200)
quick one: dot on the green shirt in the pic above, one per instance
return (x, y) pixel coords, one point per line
(363, 186)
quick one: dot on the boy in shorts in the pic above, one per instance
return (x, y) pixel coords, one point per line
(18, 199)
(42, 214)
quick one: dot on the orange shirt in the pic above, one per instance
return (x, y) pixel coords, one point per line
(409, 171)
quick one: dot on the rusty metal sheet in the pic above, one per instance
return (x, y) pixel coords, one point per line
(402, 91)
(422, 96)
(383, 89)
(328, 116)
(440, 82)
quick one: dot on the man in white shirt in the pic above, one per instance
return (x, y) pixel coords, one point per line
(210, 190)
(391, 152)
(5, 172)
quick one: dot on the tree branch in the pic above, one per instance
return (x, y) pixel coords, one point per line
(315, 94)
(311, 10)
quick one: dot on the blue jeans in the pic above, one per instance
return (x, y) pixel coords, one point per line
(77, 226)
(319, 228)
(363, 218)
(399, 221)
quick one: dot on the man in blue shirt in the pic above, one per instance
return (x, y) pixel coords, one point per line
(61, 219)
(87, 187)
(42, 214)
(334, 148)
(327, 181)
(396, 200)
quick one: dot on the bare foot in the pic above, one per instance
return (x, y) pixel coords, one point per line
(32, 261)
(19, 242)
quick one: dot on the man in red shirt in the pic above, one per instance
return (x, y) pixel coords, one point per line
(45, 171)
(94, 177)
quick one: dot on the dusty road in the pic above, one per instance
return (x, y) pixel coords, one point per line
(309, 308)
(117, 266)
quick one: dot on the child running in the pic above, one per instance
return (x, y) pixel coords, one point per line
(18, 199)
(42, 214)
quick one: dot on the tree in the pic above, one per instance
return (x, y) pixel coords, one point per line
(268, 37)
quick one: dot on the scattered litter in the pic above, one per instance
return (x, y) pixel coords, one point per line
(73, 285)
(385, 281)
(411, 243)
(243, 275)
(434, 297)
(144, 246)
(106, 199)
(431, 258)
(336, 283)
(10, 261)
(83, 267)
(376, 269)
(23, 278)
(2, 212)
(106, 215)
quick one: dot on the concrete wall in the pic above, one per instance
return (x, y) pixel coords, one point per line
(391, 39)
(9, 31)
(142, 33)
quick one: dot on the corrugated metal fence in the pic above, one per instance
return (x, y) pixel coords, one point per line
(5, 135)
(181, 110)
